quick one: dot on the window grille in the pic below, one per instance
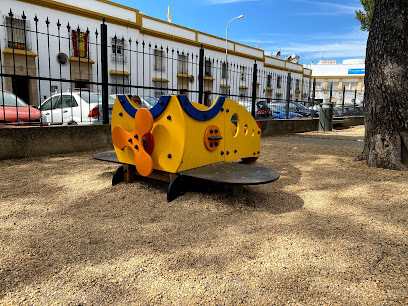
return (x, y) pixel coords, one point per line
(118, 50)
(182, 64)
(158, 60)
(224, 71)
(279, 81)
(207, 68)
(160, 89)
(121, 84)
(269, 81)
(17, 37)
(242, 71)
(297, 86)
(224, 91)
(243, 92)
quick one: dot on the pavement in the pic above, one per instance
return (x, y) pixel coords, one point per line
(352, 137)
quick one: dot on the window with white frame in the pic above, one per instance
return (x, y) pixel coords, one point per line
(159, 60)
(182, 64)
(118, 49)
(242, 71)
(121, 84)
(207, 68)
(17, 36)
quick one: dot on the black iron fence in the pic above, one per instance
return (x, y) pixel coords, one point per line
(71, 75)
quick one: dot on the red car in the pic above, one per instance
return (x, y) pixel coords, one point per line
(14, 111)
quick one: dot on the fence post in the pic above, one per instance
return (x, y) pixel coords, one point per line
(355, 101)
(288, 86)
(331, 92)
(104, 70)
(201, 76)
(254, 81)
(342, 103)
(312, 112)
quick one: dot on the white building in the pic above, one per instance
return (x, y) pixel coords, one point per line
(47, 56)
(349, 76)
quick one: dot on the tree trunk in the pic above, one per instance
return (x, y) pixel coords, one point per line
(386, 87)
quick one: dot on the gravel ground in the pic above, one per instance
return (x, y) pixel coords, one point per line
(329, 231)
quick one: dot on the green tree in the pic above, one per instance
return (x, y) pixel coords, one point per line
(366, 16)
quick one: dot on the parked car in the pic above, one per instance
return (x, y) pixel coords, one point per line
(15, 111)
(296, 108)
(348, 111)
(265, 110)
(280, 113)
(76, 107)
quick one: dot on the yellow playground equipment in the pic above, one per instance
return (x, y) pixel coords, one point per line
(178, 138)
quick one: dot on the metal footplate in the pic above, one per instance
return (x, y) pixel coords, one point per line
(228, 173)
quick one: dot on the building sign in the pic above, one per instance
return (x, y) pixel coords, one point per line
(356, 71)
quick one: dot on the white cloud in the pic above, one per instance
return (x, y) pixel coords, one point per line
(328, 8)
(228, 1)
(330, 50)
(349, 44)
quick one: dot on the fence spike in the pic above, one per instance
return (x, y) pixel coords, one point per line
(23, 16)
(47, 22)
(68, 27)
(36, 18)
(58, 24)
(11, 14)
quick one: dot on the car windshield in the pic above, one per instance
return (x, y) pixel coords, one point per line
(277, 108)
(152, 101)
(111, 101)
(8, 99)
(300, 105)
(91, 98)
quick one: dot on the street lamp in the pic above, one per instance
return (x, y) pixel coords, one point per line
(226, 49)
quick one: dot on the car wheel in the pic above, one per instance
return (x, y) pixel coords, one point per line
(72, 123)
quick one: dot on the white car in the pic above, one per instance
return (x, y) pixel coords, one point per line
(76, 107)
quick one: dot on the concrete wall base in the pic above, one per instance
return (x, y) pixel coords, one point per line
(21, 142)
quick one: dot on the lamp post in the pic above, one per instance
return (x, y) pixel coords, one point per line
(226, 51)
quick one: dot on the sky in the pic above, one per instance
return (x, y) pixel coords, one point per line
(303, 27)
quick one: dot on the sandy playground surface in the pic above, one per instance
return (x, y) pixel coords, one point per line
(329, 231)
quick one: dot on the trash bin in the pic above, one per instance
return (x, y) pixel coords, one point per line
(326, 116)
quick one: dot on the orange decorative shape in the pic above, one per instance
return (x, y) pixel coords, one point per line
(134, 140)
(212, 138)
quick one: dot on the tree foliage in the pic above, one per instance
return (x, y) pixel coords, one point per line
(366, 16)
